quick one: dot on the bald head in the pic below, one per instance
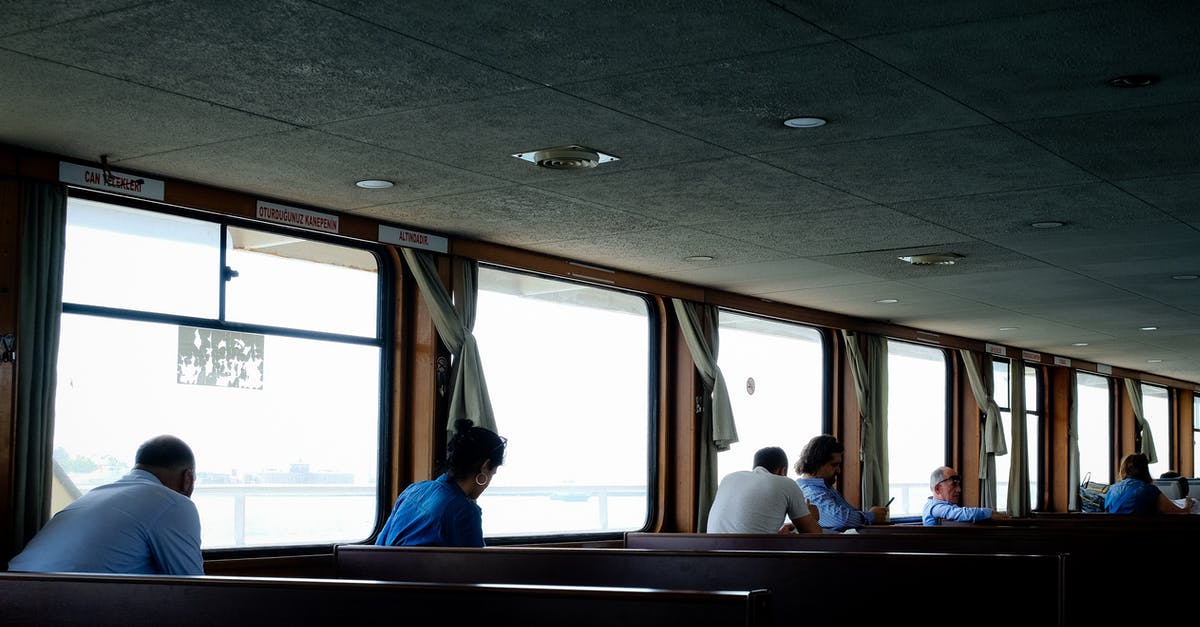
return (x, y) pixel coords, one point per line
(171, 460)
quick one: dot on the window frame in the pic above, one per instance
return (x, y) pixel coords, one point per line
(654, 324)
(385, 332)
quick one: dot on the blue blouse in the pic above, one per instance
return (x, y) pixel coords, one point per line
(1131, 496)
(433, 513)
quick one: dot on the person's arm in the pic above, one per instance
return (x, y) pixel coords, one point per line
(806, 524)
(950, 511)
(464, 526)
(175, 540)
(1167, 506)
(839, 513)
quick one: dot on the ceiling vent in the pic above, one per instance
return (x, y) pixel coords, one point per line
(571, 157)
(932, 259)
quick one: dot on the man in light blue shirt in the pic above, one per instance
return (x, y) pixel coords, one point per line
(946, 484)
(819, 466)
(144, 523)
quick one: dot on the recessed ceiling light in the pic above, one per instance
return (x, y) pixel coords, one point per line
(804, 122)
(1185, 277)
(1149, 328)
(932, 259)
(374, 184)
(1154, 361)
(698, 258)
(888, 301)
(1048, 224)
(1133, 80)
(1079, 344)
(1009, 328)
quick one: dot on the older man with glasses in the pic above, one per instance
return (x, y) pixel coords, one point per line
(946, 484)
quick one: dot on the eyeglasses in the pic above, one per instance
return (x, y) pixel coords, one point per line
(956, 479)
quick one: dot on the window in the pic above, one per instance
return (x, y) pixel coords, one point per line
(569, 373)
(282, 407)
(1000, 369)
(1158, 414)
(1094, 418)
(917, 421)
(776, 377)
(1195, 435)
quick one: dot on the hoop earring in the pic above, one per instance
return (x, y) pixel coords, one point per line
(481, 483)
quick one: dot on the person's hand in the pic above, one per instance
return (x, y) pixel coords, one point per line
(1188, 502)
(786, 529)
(881, 514)
(999, 514)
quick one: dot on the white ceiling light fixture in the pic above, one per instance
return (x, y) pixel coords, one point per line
(695, 258)
(1009, 328)
(572, 157)
(888, 301)
(1149, 328)
(1154, 361)
(932, 259)
(1185, 277)
(1079, 344)
(807, 121)
(374, 184)
(1048, 224)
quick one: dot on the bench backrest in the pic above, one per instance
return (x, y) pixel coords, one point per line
(822, 587)
(58, 599)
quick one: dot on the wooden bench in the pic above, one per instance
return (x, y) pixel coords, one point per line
(1093, 556)
(67, 600)
(816, 587)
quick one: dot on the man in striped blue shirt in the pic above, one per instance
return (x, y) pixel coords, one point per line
(819, 467)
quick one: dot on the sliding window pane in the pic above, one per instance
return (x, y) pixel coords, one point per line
(287, 281)
(285, 455)
(776, 378)
(917, 421)
(1158, 413)
(567, 368)
(140, 260)
(1094, 418)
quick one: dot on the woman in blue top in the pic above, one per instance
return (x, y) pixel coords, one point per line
(1137, 494)
(442, 511)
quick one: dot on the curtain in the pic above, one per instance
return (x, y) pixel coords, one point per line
(1018, 469)
(991, 444)
(468, 394)
(868, 363)
(39, 311)
(717, 428)
(1134, 389)
(1073, 478)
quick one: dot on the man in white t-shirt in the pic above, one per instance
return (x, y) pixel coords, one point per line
(757, 501)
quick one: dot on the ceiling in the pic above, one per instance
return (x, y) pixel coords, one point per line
(952, 127)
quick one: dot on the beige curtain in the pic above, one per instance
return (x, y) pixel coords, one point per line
(717, 428)
(1018, 469)
(1134, 389)
(867, 357)
(1073, 478)
(468, 394)
(991, 444)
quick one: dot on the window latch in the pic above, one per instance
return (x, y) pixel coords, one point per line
(228, 273)
(8, 351)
